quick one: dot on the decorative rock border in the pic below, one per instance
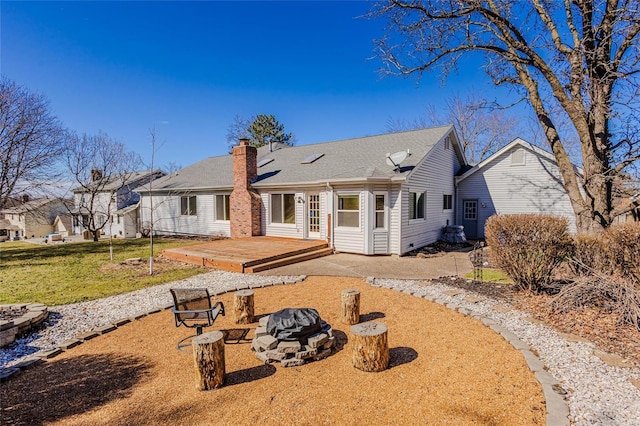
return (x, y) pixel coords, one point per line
(39, 357)
(557, 407)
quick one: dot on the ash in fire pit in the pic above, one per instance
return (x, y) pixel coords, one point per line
(292, 337)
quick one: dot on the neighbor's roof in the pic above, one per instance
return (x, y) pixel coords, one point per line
(358, 159)
(118, 181)
(30, 205)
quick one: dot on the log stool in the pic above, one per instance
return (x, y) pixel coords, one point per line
(350, 307)
(370, 346)
(208, 355)
(243, 306)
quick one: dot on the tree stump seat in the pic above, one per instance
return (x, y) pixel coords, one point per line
(209, 362)
(370, 347)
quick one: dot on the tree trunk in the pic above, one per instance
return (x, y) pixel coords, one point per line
(208, 357)
(350, 307)
(370, 346)
(243, 306)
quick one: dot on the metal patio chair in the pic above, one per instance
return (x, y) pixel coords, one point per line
(192, 308)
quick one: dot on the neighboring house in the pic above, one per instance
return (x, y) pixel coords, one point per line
(519, 178)
(346, 192)
(33, 218)
(115, 203)
(63, 224)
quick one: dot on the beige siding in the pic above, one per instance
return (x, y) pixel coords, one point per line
(503, 188)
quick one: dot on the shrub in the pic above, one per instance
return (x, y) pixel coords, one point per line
(590, 254)
(623, 243)
(528, 247)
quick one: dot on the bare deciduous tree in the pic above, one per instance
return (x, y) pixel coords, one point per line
(31, 141)
(102, 168)
(579, 58)
(482, 129)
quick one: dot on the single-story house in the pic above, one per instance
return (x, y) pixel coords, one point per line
(519, 178)
(385, 194)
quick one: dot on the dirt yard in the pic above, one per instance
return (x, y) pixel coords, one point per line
(445, 369)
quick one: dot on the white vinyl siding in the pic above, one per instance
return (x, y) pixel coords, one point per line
(276, 229)
(434, 175)
(168, 221)
(533, 187)
(349, 239)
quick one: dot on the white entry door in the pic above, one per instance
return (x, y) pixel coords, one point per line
(313, 216)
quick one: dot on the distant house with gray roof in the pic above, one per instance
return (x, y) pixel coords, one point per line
(385, 194)
(112, 202)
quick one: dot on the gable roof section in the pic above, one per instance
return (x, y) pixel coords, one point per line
(32, 205)
(517, 141)
(348, 160)
(135, 178)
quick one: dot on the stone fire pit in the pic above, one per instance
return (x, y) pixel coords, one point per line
(292, 337)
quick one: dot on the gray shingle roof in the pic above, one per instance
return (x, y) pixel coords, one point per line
(356, 159)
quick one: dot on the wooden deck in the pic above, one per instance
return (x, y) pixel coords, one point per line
(249, 255)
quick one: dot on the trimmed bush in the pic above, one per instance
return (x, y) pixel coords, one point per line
(623, 243)
(528, 247)
(590, 254)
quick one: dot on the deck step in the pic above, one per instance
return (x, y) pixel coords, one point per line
(289, 260)
(286, 255)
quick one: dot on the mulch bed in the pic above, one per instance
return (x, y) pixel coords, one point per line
(602, 328)
(445, 368)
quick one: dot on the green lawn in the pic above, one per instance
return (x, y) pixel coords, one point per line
(492, 275)
(67, 273)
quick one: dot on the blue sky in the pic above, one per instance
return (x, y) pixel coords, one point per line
(188, 68)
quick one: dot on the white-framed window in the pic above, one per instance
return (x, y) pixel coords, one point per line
(417, 201)
(348, 210)
(222, 207)
(381, 220)
(188, 205)
(517, 157)
(447, 202)
(447, 142)
(283, 208)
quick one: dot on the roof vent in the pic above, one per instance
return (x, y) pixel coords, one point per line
(264, 162)
(311, 158)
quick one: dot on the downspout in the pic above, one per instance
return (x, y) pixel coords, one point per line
(331, 236)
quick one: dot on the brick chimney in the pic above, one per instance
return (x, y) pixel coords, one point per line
(245, 202)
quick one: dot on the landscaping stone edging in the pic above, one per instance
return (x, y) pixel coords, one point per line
(557, 407)
(39, 357)
(10, 329)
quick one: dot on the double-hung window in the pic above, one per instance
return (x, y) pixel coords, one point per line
(188, 205)
(349, 211)
(447, 202)
(283, 208)
(417, 202)
(222, 207)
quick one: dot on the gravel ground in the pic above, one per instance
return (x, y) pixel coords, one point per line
(597, 394)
